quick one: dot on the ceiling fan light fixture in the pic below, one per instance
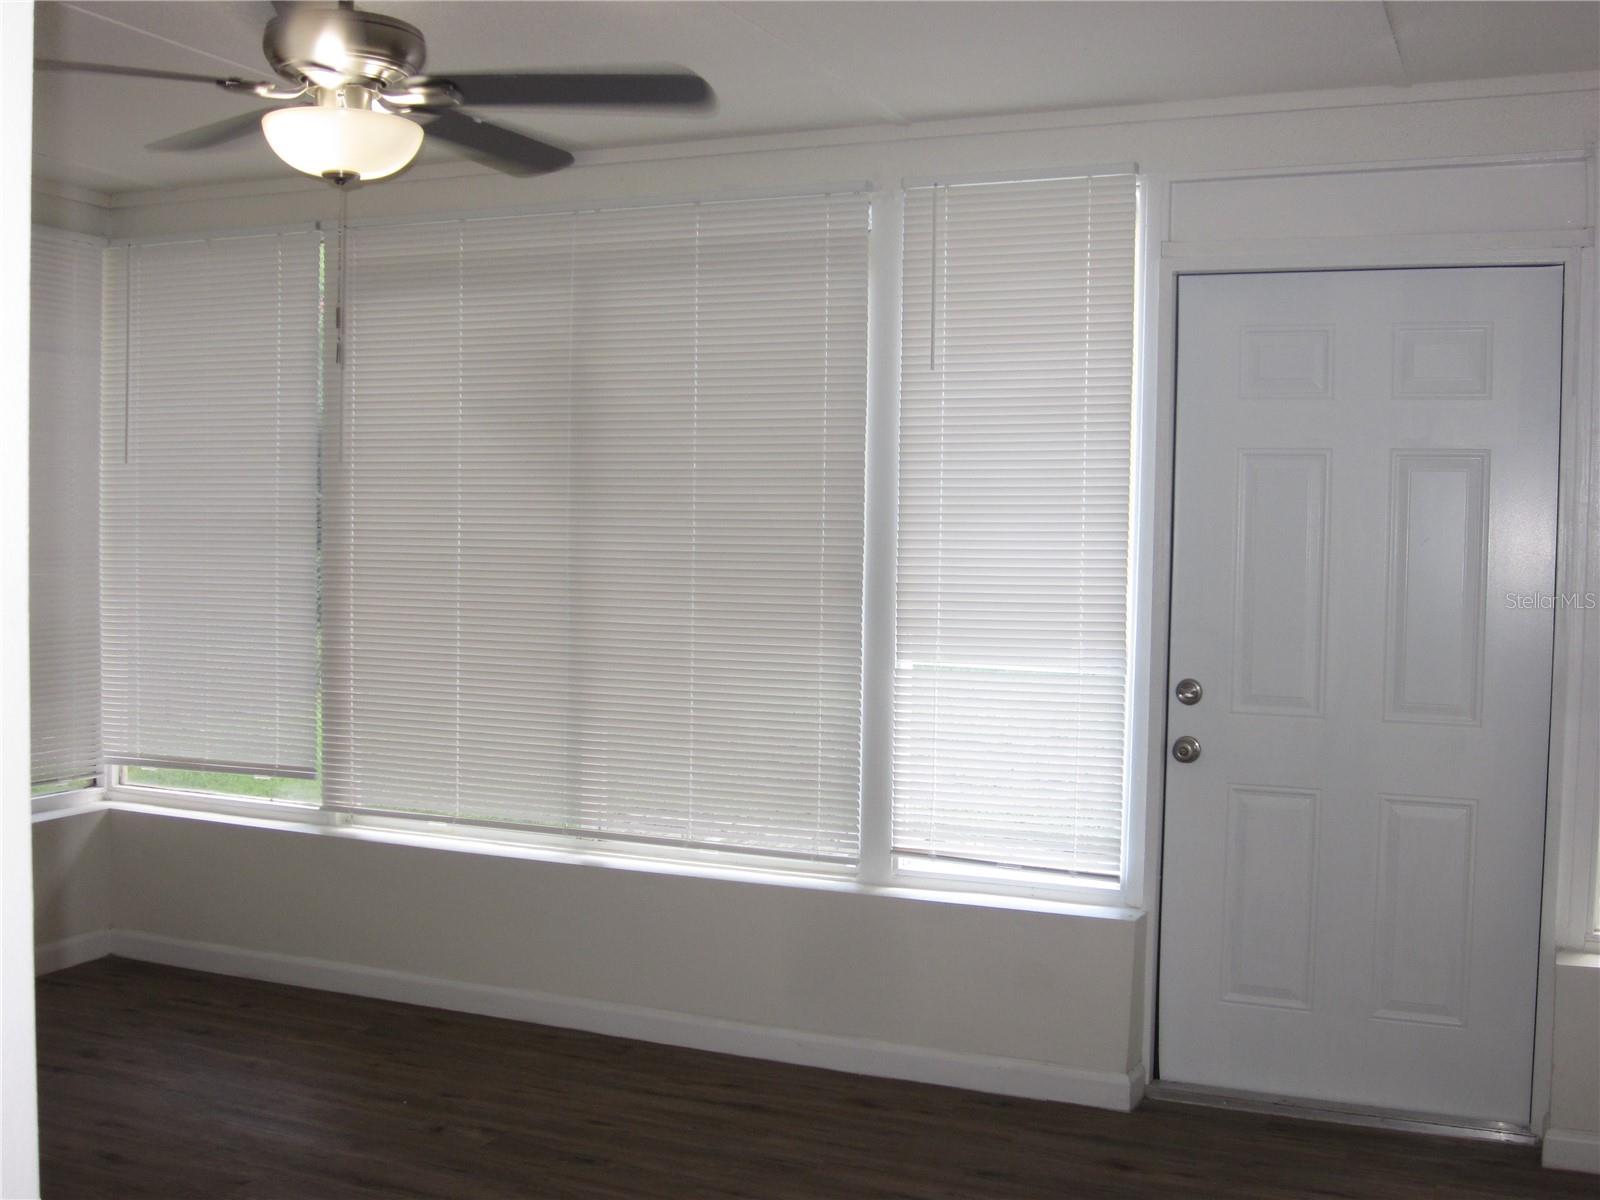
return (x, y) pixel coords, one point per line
(342, 143)
(355, 77)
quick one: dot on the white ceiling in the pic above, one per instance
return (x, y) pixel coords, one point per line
(783, 66)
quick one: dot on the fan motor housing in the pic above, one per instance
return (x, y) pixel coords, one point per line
(330, 47)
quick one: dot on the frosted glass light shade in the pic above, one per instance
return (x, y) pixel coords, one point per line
(343, 141)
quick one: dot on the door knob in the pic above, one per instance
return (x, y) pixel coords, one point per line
(1189, 691)
(1186, 749)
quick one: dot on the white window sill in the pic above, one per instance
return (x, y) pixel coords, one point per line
(67, 804)
(1079, 901)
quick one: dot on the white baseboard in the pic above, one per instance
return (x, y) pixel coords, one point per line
(1572, 1150)
(69, 952)
(861, 1056)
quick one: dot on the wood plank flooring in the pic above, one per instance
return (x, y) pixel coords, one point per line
(156, 1082)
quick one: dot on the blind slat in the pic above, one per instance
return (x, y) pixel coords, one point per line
(1011, 610)
(209, 442)
(595, 539)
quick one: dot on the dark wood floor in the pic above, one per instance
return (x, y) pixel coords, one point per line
(156, 1082)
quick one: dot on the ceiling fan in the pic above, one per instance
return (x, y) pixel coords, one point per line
(358, 103)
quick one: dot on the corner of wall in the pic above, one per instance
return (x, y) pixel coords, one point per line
(72, 888)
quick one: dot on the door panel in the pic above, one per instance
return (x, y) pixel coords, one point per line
(1281, 584)
(1365, 482)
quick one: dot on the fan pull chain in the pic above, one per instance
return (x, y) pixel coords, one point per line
(343, 260)
(127, 355)
(933, 280)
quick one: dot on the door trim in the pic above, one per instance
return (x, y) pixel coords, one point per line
(1566, 249)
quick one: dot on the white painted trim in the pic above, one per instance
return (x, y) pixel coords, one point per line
(885, 251)
(49, 957)
(1427, 247)
(1567, 732)
(1557, 248)
(913, 183)
(858, 1056)
(1149, 591)
(555, 208)
(1542, 157)
(1578, 862)
(179, 239)
(19, 1111)
(1571, 1150)
(55, 805)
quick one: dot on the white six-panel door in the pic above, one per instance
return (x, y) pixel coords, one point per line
(1364, 552)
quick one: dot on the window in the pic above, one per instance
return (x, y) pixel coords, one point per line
(211, 368)
(591, 525)
(1016, 401)
(64, 613)
(292, 789)
(594, 524)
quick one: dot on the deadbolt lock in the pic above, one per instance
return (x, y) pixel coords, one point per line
(1189, 691)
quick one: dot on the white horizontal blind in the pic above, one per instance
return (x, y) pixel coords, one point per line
(63, 518)
(211, 398)
(595, 539)
(1015, 418)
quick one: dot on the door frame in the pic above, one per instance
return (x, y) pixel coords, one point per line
(1566, 249)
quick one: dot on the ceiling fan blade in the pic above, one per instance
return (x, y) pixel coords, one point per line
(56, 64)
(670, 89)
(498, 147)
(218, 133)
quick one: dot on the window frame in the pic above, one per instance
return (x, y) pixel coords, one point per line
(1126, 884)
(878, 867)
(110, 773)
(57, 785)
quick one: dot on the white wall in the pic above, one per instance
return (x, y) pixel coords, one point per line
(877, 982)
(954, 987)
(19, 1156)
